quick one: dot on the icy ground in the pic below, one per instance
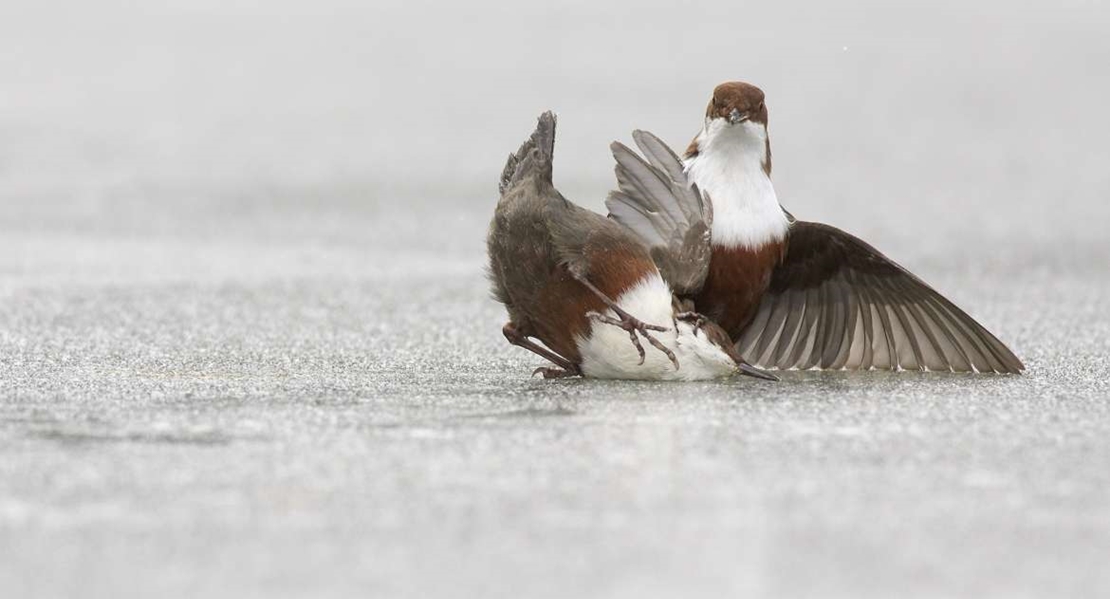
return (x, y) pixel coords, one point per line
(246, 347)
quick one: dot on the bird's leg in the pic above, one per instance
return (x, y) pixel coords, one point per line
(555, 373)
(628, 322)
(566, 367)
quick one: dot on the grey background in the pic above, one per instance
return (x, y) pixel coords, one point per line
(246, 347)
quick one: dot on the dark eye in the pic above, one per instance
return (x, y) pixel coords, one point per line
(761, 106)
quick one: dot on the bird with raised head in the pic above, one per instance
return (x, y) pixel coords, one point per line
(793, 294)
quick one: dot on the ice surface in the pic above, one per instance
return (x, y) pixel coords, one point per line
(247, 350)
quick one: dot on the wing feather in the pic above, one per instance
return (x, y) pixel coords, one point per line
(838, 318)
(852, 307)
(655, 201)
(796, 301)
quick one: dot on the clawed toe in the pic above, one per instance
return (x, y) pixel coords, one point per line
(633, 326)
(695, 319)
(553, 373)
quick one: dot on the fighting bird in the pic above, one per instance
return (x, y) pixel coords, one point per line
(580, 283)
(794, 294)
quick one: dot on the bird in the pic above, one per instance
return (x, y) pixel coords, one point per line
(793, 294)
(580, 284)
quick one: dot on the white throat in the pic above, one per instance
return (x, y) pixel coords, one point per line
(729, 168)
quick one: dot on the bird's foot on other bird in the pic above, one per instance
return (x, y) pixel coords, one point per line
(634, 325)
(694, 318)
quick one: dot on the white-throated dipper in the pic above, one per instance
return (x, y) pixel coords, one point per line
(794, 294)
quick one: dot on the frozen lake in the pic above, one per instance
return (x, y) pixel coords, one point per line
(247, 349)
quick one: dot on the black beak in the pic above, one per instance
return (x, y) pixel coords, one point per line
(747, 369)
(750, 370)
(736, 117)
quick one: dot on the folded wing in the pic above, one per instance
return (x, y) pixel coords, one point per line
(657, 204)
(836, 302)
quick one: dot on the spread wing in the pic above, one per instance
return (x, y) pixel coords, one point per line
(836, 302)
(658, 205)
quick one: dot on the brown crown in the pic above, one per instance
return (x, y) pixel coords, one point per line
(745, 97)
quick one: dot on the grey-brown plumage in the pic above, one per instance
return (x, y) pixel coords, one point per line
(836, 302)
(553, 262)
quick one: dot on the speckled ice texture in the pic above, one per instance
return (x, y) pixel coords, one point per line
(247, 350)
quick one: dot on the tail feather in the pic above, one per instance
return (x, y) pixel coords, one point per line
(534, 156)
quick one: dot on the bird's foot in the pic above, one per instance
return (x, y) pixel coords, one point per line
(695, 319)
(634, 325)
(554, 373)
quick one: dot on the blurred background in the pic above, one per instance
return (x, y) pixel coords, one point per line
(246, 346)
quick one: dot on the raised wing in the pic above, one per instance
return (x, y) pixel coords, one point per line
(656, 202)
(836, 302)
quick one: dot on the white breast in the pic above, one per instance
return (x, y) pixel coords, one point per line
(729, 168)
(608, 353)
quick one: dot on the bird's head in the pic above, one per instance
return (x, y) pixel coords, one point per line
(737, 102)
